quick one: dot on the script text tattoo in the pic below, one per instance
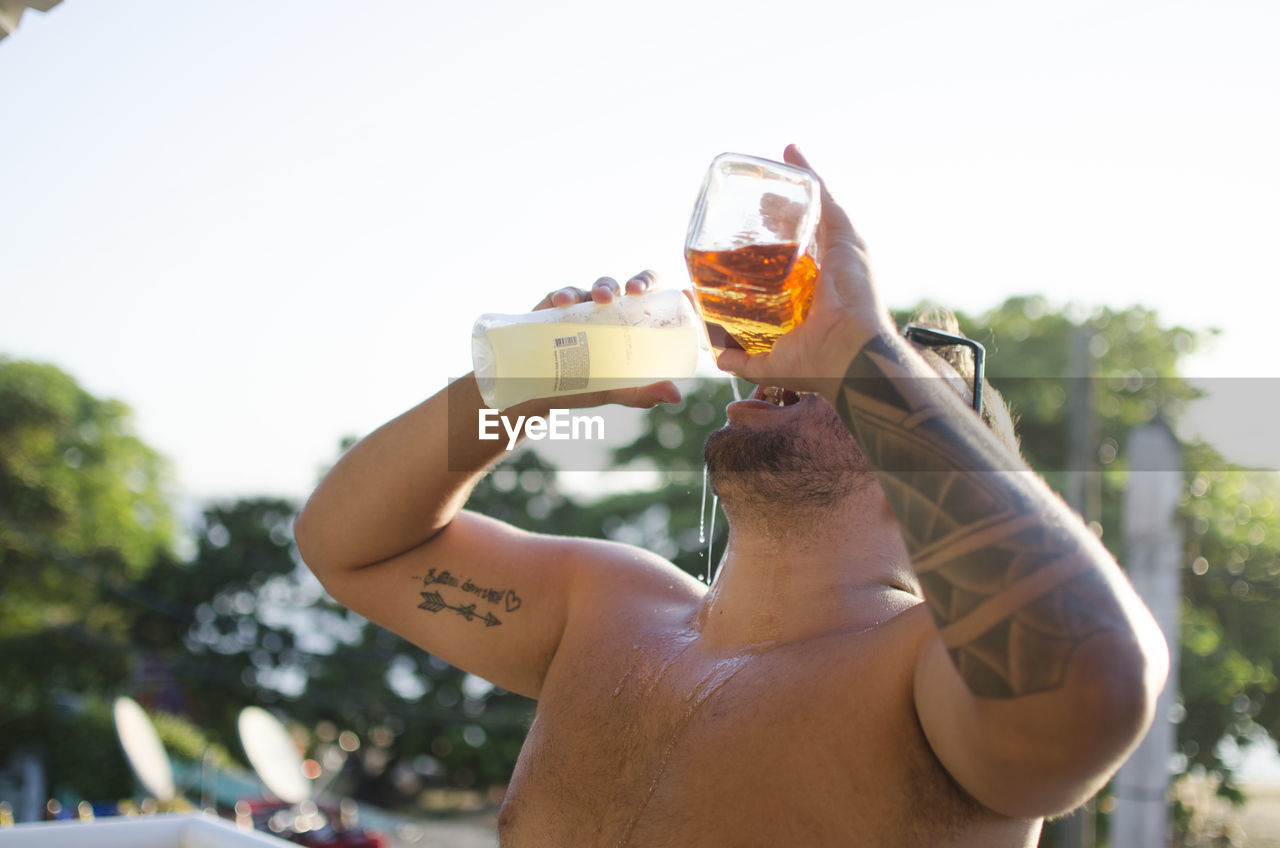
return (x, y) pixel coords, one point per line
(433, 601)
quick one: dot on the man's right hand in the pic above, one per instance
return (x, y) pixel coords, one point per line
(603, 291)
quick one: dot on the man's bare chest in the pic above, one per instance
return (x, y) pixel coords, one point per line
(657, 744)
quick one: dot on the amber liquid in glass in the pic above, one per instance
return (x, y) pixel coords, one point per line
(754, 294)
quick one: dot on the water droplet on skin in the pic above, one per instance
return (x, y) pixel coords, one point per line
(711, 535)
(705, 537)
(702, 518)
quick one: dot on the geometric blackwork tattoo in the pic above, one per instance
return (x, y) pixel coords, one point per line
(1010, 589)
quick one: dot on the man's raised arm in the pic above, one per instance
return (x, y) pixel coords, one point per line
(386, 534)
(1045, 668)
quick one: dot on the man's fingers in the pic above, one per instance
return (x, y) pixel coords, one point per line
(604, 290)
(645, 397)
(793, 156)
(738, 362)
(642, 282)
(650, 396)
(566, 296)
(834, 229)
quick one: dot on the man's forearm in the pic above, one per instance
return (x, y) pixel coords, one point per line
(401, 484)
(1013, 579)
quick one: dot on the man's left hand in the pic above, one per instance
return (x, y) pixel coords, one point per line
(846, 312)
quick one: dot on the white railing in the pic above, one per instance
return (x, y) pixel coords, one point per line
(167, 830)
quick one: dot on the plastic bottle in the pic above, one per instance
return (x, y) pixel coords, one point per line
(633, 341)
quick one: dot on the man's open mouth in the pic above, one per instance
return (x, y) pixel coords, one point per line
(775, 395)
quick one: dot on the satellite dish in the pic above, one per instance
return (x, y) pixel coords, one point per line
(273, 755)
(143, 749)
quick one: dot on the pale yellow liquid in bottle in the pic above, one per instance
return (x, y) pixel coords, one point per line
(556, 359)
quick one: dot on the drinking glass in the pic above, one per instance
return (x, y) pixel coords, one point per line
(750, 249)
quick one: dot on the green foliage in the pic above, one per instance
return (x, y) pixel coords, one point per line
(83, 515)
(1231, 640)
(185, 740)
(221, 628)
(82, 753)
(422, 723)
(71, 470)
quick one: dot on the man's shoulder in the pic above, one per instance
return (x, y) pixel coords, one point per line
(613, 588)
(609, 566)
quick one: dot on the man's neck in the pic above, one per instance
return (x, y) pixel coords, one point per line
(789, 577)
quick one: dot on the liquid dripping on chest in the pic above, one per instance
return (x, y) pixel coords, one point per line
(702, 516)
(712, 682)
(650, 662)
(705, 537)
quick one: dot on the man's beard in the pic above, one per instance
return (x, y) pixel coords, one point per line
(773, 468)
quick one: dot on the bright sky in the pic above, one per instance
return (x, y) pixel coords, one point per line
(267, 225)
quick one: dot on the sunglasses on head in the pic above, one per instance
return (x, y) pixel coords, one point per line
(929, 337)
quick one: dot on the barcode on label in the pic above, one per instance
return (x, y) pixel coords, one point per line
(573, 362)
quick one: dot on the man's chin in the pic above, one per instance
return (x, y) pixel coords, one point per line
(742, 449)
(776, 466)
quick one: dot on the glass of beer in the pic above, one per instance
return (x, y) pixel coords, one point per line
(750, 250)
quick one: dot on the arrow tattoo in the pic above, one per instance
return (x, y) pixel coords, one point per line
(434, 602)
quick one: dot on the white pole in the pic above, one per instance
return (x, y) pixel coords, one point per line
(1154, 565)
(34, 792)
(1082, 492)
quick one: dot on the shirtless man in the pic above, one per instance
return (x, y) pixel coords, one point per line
(911, 642)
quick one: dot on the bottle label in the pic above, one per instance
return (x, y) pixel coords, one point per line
(573, 362)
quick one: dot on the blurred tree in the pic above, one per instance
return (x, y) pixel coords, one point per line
(1231, 613)
(222, 630)
(97, 604)
(83, 514)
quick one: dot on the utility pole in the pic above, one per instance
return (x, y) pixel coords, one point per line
(1078, 830)
(1155, 554)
